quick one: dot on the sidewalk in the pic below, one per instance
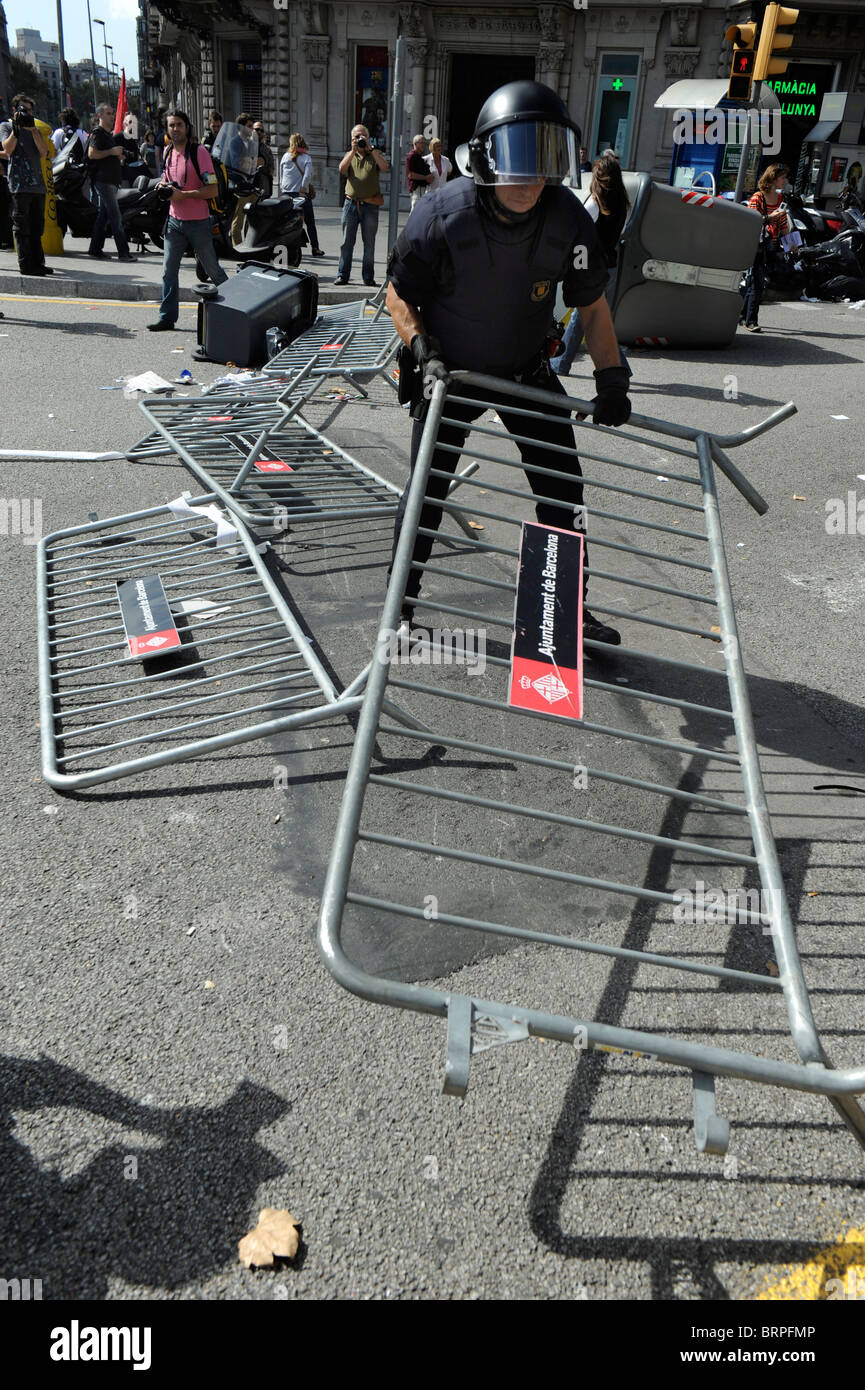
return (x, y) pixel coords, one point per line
(76, 275)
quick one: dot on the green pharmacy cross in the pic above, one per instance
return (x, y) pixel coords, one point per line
(618, 84)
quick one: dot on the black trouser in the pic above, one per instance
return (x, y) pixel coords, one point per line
(755, 288)
(28, 218)
(567, 488)
(5, 208)
(309, 219)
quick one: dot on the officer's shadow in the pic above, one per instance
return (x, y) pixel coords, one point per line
(163, 1209)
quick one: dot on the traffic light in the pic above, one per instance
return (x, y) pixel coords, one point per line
(771, 40)
(742, 37)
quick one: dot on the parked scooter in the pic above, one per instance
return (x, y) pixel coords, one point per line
(247, 226)
(836, 269)
(143, 207)
(815, 225)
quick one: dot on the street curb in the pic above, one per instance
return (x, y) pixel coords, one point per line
(58, 286)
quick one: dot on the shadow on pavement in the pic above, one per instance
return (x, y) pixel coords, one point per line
(178, 1219)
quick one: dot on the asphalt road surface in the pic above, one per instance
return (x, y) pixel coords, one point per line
(176, 1056)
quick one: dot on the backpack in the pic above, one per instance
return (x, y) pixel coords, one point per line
(221, 185)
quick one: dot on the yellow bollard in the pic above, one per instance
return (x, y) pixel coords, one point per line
(52, 237)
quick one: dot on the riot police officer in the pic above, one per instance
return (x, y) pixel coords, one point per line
(472, 284)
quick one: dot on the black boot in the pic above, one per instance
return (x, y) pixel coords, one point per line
(596, 631)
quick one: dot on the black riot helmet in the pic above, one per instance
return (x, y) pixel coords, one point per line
(523, 133)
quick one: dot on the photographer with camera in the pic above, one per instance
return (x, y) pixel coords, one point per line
(188, 171)
(25, 149)
(363, 197)
(105, 152)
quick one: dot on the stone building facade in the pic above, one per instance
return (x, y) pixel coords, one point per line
(319, 66)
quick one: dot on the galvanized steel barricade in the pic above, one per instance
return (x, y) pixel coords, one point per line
(356, 350)
(654, 538)
(223, 663)
(364, 307)
(363, 348)
(266, 463)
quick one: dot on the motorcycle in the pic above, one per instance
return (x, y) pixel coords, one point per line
(815, 225)
(836, 269)
(245, 225)
(143, 207)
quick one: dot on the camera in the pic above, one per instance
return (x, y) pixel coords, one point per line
(22, 117)
(361, 142)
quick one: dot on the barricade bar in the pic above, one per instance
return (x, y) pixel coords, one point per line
(526, 887)
(648, 739)
(231, 636)
(712, 803)
(315, 479)
(555, 818)
(569, 943)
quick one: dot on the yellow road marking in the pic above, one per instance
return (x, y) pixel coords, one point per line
(835, 1273)
(86, 303)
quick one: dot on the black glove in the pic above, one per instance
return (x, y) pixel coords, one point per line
(611, 404)
(427, 352)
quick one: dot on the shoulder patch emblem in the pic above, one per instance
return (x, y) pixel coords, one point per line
(540, 290)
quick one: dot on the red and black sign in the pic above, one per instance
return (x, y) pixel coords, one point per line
(150, 628)
(265, 463)
(547, 653)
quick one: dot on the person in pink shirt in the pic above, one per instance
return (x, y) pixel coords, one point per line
(188, 168)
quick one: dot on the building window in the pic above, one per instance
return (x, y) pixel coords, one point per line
(370, 95)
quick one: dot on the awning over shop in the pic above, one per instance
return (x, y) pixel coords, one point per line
(823, 130)
(705, 94)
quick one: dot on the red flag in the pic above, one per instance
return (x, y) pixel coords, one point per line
(122, 105)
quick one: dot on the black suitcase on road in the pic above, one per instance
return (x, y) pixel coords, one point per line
(233, 322)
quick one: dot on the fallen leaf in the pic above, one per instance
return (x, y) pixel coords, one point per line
(208, 984)
(797, 497)
(813, 895)
(715, 628)
(772, 968)
(476, 525)
(275, 1236)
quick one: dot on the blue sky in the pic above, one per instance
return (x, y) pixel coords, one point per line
(119, 16)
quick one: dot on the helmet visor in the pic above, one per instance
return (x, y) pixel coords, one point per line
(530, 150)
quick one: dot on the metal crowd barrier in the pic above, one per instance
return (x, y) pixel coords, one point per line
(220, 658)
(350, 309)
(364, 348)
(266, 463)
(356, 351)
(500, 844)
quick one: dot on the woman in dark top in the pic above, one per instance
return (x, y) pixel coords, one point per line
(608, 207)
(149, 153)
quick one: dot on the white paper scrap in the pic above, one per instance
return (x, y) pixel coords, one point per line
(150, 382)
(226, 531)
(839, 417)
